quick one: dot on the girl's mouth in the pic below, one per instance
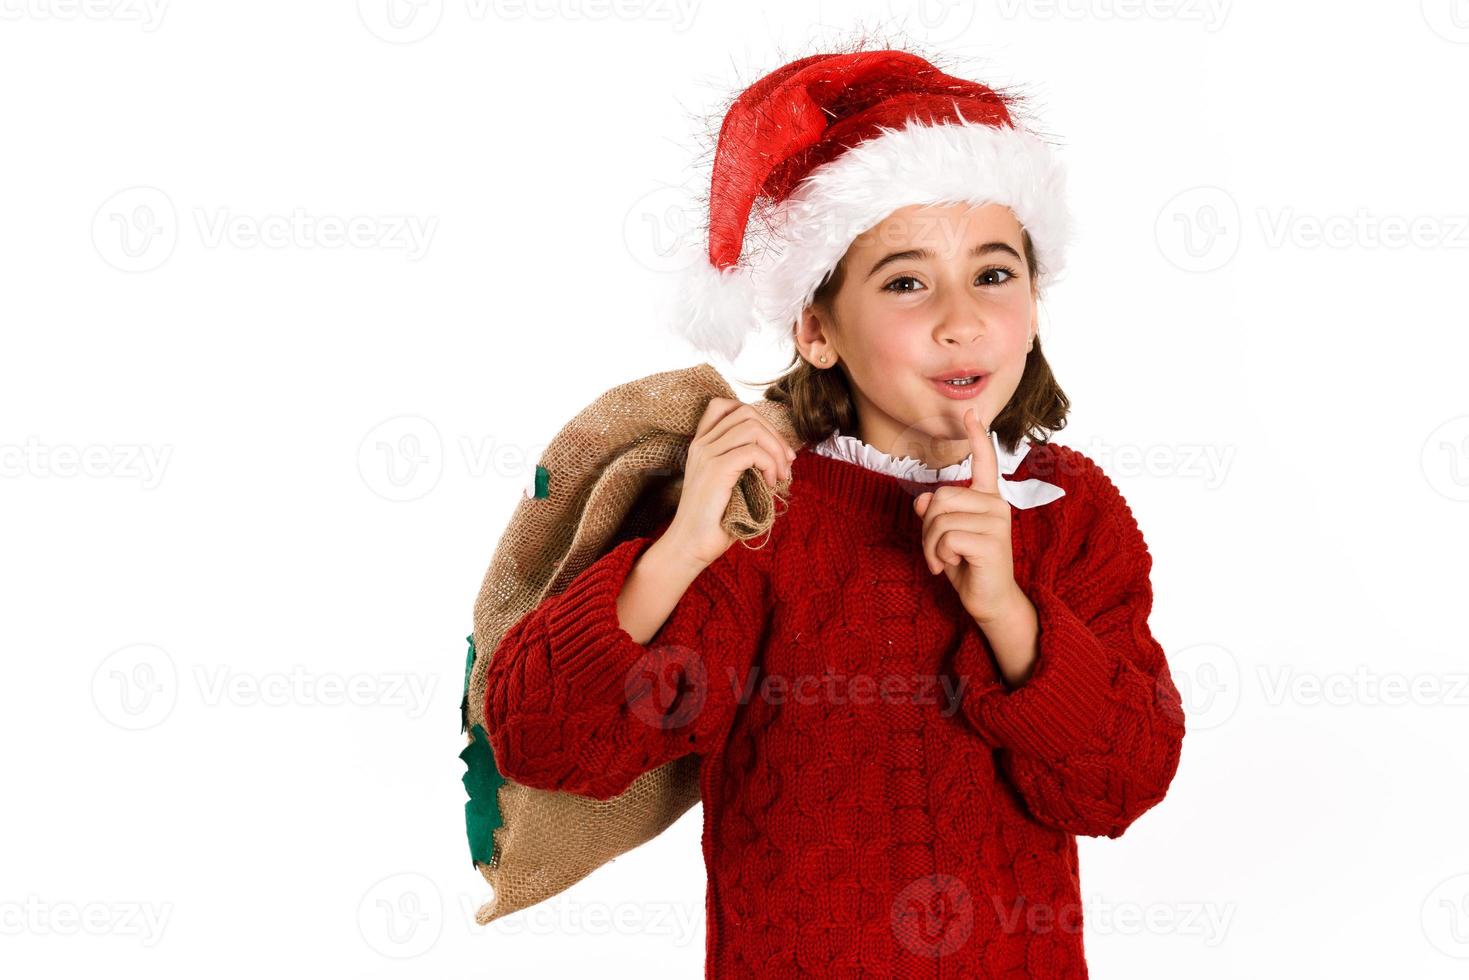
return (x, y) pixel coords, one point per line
(961, 387)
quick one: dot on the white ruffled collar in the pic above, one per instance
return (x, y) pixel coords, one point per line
(1018, 493)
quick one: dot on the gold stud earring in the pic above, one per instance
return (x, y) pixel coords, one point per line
(823, 358)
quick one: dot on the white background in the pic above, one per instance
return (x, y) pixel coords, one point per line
(243, 476)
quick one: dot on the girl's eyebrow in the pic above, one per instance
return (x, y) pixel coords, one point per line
(923, 253)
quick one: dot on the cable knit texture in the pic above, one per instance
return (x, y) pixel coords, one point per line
(878, 802)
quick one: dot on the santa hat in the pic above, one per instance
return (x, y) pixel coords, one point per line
(826, 147)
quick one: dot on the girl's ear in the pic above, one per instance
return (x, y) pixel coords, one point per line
(811, 331)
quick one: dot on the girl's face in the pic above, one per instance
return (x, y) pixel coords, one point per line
(928, 291)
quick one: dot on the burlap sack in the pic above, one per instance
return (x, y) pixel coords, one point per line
(614, 472)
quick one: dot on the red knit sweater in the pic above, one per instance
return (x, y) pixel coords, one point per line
(877, 801)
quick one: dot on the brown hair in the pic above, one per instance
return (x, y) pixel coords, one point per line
(820, 400)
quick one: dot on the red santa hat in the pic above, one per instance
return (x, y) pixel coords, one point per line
(826, 147)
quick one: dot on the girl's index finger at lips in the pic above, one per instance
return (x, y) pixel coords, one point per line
(985, 459)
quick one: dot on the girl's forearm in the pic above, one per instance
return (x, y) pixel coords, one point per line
(653, 588)
(1014, 639)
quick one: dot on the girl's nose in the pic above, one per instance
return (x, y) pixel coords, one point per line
(960, 321)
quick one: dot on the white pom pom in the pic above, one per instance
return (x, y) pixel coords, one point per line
(713, 310)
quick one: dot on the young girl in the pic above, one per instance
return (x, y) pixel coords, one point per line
(938, 668)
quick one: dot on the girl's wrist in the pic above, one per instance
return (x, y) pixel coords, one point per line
(1013, 639)
(1014, 609)
(672, 564)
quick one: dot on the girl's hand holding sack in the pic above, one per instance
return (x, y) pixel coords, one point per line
(732, 438)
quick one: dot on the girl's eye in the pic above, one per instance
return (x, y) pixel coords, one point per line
(985, 279)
